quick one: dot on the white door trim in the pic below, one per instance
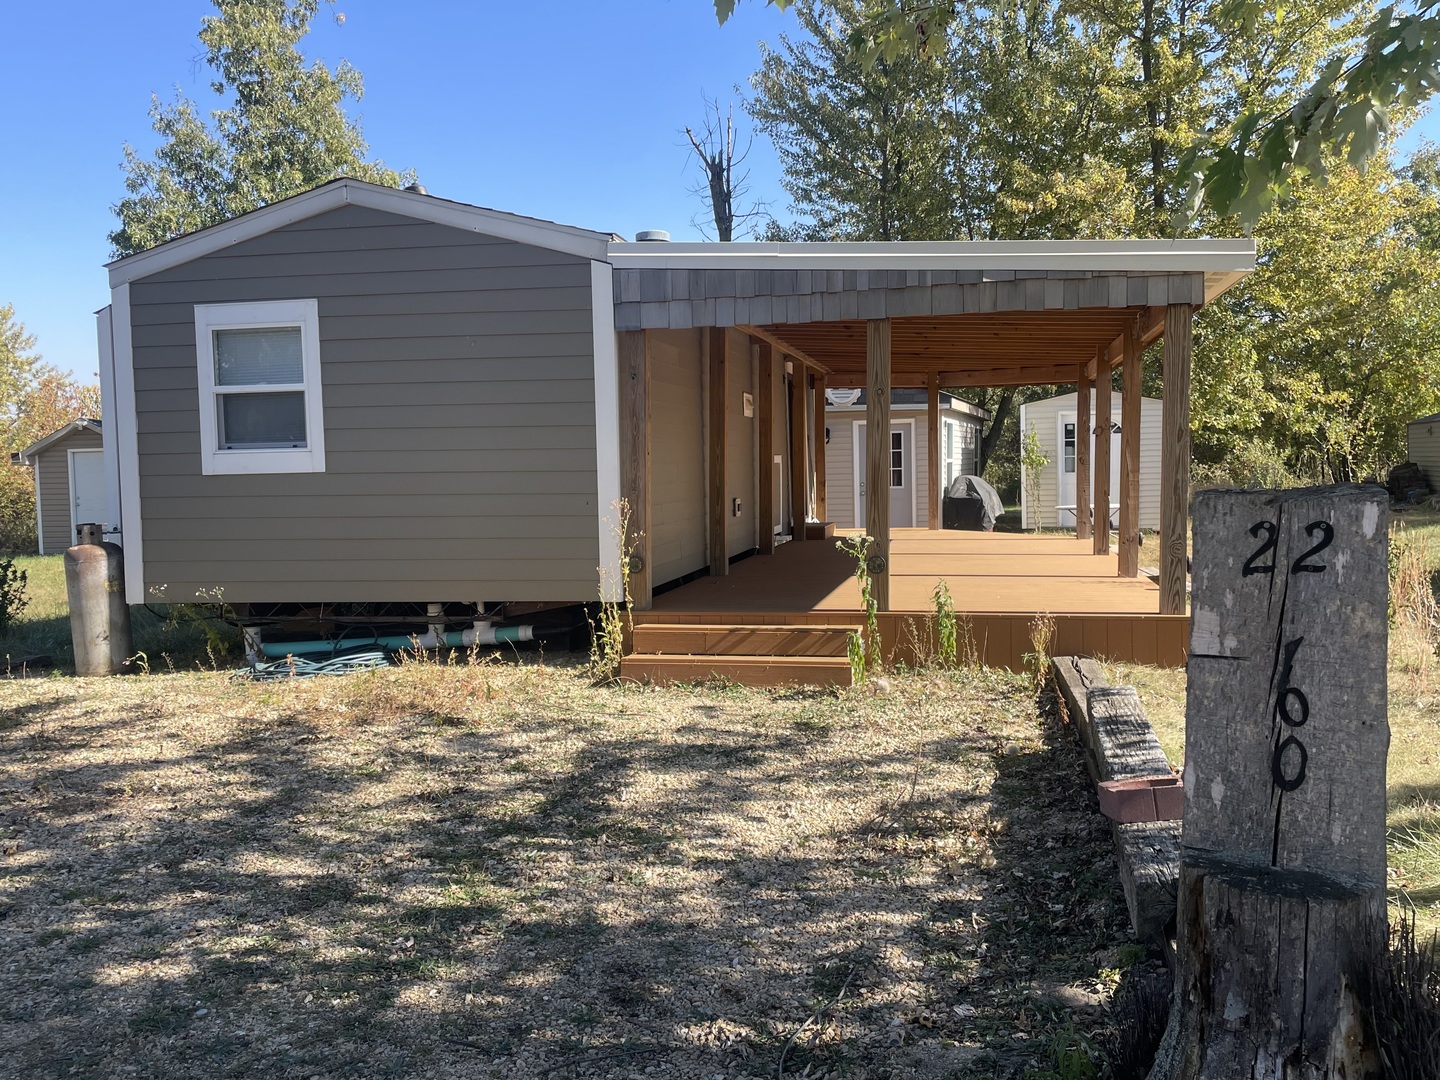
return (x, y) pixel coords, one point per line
(70, 470)
(857, 473)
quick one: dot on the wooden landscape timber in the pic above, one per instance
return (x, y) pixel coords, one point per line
(1120, 744)
(1281, 913)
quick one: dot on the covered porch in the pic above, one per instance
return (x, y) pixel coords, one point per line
(805, 318)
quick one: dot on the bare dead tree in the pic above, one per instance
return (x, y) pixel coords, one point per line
(719, 189)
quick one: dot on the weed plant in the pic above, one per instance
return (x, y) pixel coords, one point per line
(611, 627)
(864, 649)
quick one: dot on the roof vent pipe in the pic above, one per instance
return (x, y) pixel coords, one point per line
(652, 236)
(417, 189)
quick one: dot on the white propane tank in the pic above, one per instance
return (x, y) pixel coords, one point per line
(99, 616)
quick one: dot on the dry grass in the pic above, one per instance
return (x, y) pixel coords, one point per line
(502, 871)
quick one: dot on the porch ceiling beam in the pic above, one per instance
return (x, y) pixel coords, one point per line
(997, 376)
(1149, 328)
(793, 351)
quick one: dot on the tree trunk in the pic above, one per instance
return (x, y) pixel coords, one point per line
(1266, 987)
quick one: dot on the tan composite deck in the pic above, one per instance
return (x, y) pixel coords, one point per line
(986, 572)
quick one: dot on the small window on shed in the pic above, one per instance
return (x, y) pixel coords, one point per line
(259, 380)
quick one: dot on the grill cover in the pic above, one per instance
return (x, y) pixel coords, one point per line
(970, 503)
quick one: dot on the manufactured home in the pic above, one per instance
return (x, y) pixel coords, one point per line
(70, 488)
(960, 425)
(370, 404)
(1054, 421)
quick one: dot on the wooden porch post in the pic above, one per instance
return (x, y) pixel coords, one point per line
(877, 456)
(1130, 456)
(765, 417)
(1102, 455)
(719, 511)
(821, 509)
(933, 464)
(1175, 459)
(799, 468)
(635, 460)
(1084, 383)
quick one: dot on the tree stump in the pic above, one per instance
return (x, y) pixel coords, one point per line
(1281, 908)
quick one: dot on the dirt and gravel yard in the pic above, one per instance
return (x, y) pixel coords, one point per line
(502, 871)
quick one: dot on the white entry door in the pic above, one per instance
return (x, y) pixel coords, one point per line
(902, 474)
(1066, 457)
(87, 488)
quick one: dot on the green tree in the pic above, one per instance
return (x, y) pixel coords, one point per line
(863, 147)
(1323, 89)
(1319, 359)
(35, 399)
(283, 130)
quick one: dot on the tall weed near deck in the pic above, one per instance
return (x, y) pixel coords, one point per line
(614, 622)
(945, 624)
(864, 648)
(1414, 613)
(1042, 641)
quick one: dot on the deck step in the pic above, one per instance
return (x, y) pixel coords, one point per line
(745, 670)
(736, 639)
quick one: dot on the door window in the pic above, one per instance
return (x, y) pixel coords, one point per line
(897, 459)
(1069, 448)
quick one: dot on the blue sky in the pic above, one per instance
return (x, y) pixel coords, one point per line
(570, 110)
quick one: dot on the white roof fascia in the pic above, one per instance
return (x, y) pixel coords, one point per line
(524, 230)
(83, 424)
(1156, 256)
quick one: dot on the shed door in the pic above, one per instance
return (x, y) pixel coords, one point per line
(902, 475)
(87, 488)
(1067, 458)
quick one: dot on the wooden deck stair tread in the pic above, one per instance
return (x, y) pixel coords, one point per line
(754, 654)
(746, 670)
(739, 639)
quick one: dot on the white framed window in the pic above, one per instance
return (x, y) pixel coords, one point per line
(897, 459)
(1069, 446)
(259, 375)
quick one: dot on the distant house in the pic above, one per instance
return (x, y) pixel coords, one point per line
(961, 424)
(1422, 446)
(70, 486)
(1054, 423)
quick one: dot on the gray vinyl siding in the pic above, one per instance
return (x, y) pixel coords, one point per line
(1043, 415)
(677, 459)
(1422, 438)
(52, 488)
(458, 385)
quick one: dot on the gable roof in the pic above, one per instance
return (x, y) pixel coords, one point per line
(85, 423)
(346, 191)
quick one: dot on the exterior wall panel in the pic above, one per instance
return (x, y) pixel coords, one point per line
(458, 382)
(677, 456)
(1422, 439)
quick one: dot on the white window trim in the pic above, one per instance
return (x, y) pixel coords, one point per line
(304, 314)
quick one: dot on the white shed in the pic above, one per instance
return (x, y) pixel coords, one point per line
(1422, 446)
(1054, 422)
(960, 429)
